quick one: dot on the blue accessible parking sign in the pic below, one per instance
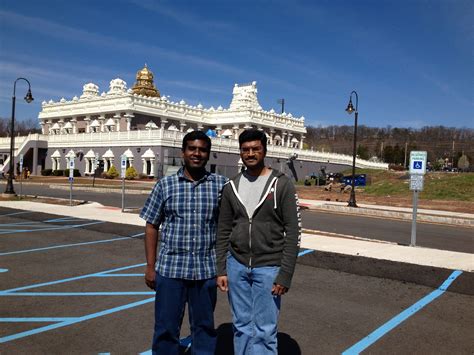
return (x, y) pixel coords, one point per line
(418, 162)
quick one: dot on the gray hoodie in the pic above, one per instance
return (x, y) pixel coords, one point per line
(270, 237)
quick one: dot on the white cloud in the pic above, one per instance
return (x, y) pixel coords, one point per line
(184, 18)
(52, 29)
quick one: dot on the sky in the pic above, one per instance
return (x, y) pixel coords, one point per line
(410, 61)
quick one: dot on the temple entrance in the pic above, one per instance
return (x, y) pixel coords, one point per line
(148, 167)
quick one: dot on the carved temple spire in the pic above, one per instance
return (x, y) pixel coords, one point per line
(144, 84)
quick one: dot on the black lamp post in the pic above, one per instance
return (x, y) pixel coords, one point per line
(282, 103)
(350, 109)
(11, 172)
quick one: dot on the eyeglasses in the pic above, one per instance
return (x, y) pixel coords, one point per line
(248, 150)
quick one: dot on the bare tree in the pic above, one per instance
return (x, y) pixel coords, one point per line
(22, 127)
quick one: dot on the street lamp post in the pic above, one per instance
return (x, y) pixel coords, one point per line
(28, 98)
(350, 109)
(282, 103)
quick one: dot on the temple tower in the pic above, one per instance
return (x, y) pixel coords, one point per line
(144, 85)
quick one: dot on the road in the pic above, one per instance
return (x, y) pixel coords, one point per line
(453, 238)
(71, 285)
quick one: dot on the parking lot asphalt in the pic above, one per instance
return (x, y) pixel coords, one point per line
(75, 285)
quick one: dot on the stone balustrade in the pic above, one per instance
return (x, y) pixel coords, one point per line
(174, 139)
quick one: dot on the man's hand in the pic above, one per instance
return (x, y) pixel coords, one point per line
(222, 283)
(150, 276)
(278, 290)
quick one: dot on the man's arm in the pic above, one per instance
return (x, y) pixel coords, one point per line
(292, 223)
(151, 242)
(224, 228)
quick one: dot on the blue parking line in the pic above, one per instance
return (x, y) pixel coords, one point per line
(70, 279)
(32, 223)
(64, 219)
(304, 252)
(36, 319)
(74, 321)
(62, 246)
(401, 317)
(52, 228)
(121, 275)
(56, 220)
(14, 213)
(62, 294)
(70, 245)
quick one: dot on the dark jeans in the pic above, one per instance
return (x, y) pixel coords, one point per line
(171, 298)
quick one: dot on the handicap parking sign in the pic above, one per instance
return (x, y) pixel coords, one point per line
(418, 162)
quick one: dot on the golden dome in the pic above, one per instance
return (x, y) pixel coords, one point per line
(144, 85)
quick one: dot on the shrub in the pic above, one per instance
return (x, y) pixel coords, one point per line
(57, 173)
(46, 172)
(112, 173)
(76, 173)
(131, 173)
(142, 176)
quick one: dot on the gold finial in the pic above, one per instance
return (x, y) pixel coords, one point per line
(144, 84)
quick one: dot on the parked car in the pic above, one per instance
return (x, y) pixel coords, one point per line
(360, 180)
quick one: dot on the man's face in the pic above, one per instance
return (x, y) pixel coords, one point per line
(252, 154)
(196, 154)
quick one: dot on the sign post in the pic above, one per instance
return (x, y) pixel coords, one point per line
(21, 175)
(123, 168)
(71, 178)
(96, 165)
(417, 172)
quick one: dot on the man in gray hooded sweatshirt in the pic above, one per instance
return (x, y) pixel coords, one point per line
(257, 245)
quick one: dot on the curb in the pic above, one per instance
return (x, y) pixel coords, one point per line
(422, 217)
(74, 201)
(364, 211)
(101, 189)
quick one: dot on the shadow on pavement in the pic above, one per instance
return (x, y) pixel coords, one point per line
(286, 344)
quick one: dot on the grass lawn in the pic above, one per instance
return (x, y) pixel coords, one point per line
(437, 185)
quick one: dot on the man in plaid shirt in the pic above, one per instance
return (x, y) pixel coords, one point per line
(186, 207)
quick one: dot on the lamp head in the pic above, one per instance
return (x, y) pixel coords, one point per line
(350, 108)
(29, 97)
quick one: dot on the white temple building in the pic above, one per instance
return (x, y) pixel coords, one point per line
(147, 128)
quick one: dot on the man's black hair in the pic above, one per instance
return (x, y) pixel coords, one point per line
(253, 134)
(199, 135)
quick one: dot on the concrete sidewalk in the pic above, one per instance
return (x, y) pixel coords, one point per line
(351, 247)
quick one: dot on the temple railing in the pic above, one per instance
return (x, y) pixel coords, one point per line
(174, 139)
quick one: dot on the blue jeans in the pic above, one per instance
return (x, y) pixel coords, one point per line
(171, 298)
(254, 309)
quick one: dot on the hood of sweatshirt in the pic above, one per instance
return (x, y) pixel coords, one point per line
(270, 187)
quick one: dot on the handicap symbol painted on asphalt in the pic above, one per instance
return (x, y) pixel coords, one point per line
(417, 164)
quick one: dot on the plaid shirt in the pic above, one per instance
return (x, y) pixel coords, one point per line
(187, 211)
